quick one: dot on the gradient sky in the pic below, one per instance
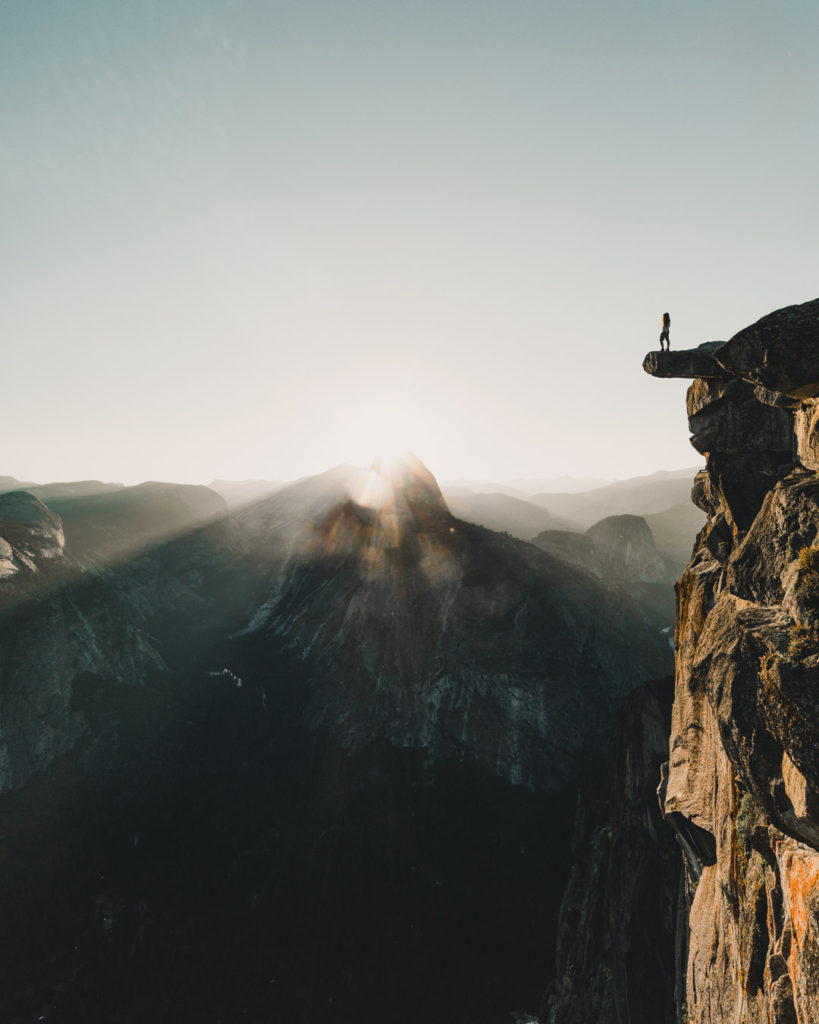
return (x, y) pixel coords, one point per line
(249, 238)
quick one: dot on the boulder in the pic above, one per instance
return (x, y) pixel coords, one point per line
(780, 352)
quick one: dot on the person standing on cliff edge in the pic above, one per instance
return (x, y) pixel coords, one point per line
(664, 334)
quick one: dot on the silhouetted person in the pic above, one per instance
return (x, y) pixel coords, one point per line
(664, 334)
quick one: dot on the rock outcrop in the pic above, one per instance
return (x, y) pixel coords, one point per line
(687, 363)
(742, 781)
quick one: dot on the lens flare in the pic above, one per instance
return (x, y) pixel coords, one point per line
(370, 489)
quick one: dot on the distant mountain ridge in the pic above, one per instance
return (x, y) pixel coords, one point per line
(636, 496)
(525, 487)
(504, 513)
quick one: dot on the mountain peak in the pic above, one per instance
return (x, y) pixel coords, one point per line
(397, 482)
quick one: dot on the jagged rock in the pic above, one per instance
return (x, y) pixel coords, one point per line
(776, 398)
(691, 363)
(748, 444)
(787, 522)
(790, 710)
(703, 494)
(742, 481)
(780, 352)
(806, 428)
(742, 784)
(728, 418)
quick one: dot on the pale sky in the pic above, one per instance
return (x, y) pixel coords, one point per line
(253, 239)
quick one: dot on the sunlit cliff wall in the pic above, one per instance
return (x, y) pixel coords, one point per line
(742, 780)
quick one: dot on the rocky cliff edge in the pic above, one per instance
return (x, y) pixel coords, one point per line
(742, 784)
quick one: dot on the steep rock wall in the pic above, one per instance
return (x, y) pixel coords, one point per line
(741, 785)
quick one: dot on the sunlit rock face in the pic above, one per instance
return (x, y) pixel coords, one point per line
(427, 632)
(743, 776)
(28, 532)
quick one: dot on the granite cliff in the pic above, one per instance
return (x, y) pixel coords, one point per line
(741, 784)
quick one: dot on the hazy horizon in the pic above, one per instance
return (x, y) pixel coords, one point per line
(578, 484)
(246, 240)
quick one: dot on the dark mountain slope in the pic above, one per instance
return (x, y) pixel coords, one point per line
(313, 765)
(428, 632)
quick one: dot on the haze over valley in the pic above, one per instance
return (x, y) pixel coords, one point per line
(206, 698)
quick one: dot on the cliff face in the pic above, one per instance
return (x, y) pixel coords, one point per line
(743, 776)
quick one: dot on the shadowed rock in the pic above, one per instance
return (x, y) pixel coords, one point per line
(615, 960)
(575, 548)
(687, 363)
(780, 352)
(626, 549)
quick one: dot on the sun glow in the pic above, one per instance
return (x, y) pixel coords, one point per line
(370, 489)
(374, 487)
